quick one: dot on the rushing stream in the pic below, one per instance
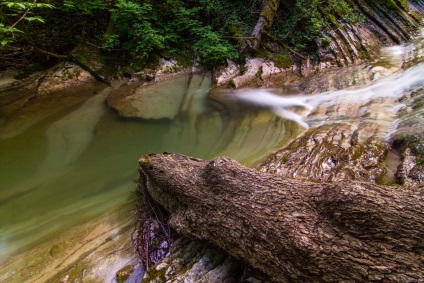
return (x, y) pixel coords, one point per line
(65, 168)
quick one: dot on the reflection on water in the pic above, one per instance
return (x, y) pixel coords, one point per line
(69, 168)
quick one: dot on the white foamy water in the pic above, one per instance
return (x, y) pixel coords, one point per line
(394, 86)
(277, 104)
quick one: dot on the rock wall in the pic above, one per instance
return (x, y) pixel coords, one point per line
(345, 44)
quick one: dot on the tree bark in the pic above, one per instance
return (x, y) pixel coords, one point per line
(294, 231)
(266, 18)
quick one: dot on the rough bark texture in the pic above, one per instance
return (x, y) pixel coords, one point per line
(269, 8)
(294, 231)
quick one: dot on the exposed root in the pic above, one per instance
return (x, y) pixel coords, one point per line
(152, 237)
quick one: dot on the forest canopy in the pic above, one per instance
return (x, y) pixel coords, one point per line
(211, 30)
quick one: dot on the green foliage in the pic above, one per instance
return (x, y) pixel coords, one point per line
(303, 23)
(87, 6)
(7, 34)
(145, 28)
(111, 41)
(134, 25)
(13, 14)
(212, 49)
(213, 30)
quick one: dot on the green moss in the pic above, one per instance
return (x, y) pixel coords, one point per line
(391, 4)
(282, 60)
(184, 59)
(331, 18)
(259, 73)
(152, 273)
(123, 274)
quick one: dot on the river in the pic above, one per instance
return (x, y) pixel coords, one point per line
(72, 166)
(63, 169)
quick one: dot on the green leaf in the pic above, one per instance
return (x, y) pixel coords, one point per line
(21, 5)
(38, 19)
(4, 42)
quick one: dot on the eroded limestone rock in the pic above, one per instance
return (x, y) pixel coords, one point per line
(64, 76)
(331, 153)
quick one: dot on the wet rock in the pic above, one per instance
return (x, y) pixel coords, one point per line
(196, 261)
(29, 109)
(103, 65)
(409, 138)
(7, 78)
(411, 169)
(330, 153)
(91, 252)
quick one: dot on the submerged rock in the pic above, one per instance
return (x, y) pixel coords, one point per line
(92, 252)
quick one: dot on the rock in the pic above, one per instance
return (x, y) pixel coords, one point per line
(330, 153)
(123, 274)
(105, 67)
(64, 76)
(161, 100)
(167, 66)
(91, 252)
(409, 139)
(224, 75)
(251, 75)
(194, 261)
(7, 78)
(161, 266)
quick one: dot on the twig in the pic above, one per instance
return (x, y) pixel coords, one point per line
(23, 16)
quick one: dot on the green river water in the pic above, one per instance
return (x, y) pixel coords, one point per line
(62, 168)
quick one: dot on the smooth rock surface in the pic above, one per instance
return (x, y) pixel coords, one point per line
(162, 100)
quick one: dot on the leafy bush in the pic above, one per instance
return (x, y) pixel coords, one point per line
(212, 49)
(303, 21)
(13, 14)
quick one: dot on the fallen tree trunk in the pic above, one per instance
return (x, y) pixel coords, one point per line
(294, 231)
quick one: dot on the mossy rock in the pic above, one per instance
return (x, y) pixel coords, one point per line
(123, 274)
(103, 64)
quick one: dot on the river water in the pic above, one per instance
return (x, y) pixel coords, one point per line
(64, 169)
